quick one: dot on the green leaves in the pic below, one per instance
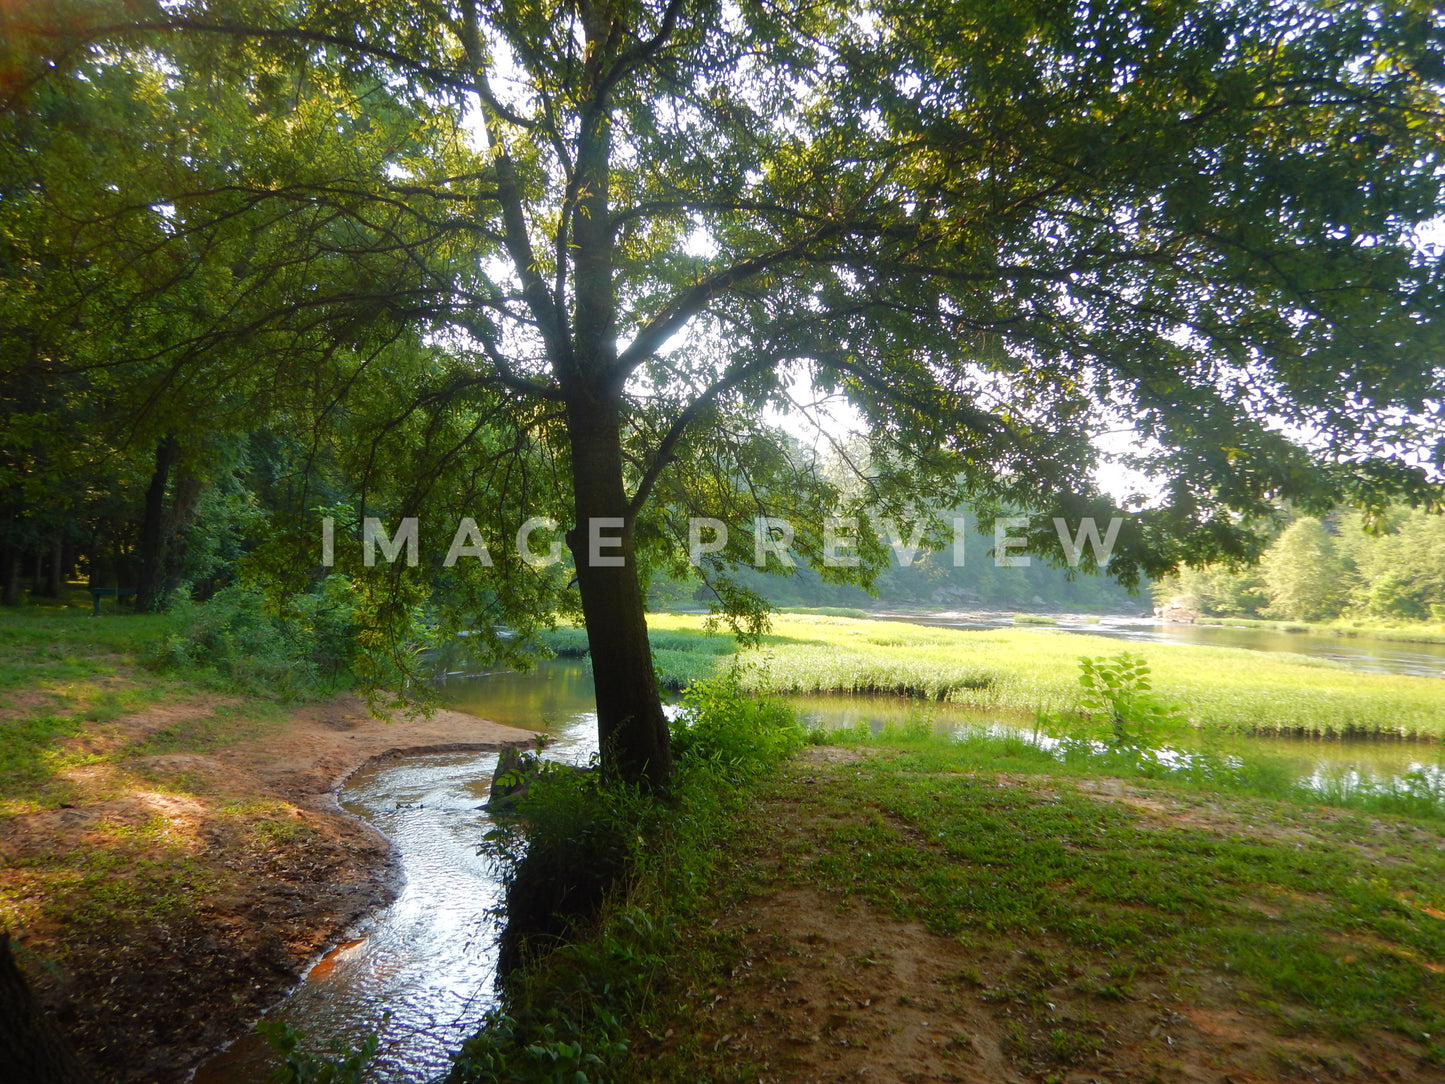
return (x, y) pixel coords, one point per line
(410, 235)
(1117, 691)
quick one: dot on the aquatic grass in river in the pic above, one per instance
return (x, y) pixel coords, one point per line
(1028, 670)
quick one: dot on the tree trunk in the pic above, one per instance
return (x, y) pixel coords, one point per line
(631, 727)
(150, 589)
(48, 563)
(178, 518)
(56, 584)
(9, 576)
(32, 1048)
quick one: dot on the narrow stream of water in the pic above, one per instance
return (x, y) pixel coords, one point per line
(422, 973)
(428, 959)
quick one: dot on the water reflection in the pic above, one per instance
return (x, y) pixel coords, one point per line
(1333, 768)
(422, 973)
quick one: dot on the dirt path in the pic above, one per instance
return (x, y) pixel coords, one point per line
(231, 870)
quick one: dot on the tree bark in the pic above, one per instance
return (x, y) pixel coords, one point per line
(32, 1048)
(631, 727)
(9, 576)
(177, 521)
(56, 583)
(150, 589)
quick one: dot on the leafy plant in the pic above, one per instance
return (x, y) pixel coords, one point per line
(302, 1067)
(1118, 690)
(730, 734)
(261, 648)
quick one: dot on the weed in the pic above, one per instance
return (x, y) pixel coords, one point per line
(1118, 691)
(303, 1067)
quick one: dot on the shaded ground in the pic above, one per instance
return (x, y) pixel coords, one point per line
(167, 897)
(827, 983)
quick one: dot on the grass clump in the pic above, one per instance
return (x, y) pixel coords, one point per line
(631, 870)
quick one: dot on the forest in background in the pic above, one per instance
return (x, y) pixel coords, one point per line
(1320, 569)
(200, 513)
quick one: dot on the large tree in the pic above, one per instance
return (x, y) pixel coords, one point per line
(999, 228)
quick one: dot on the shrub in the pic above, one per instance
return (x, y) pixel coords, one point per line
(260, 647)
(1117, 690)
(731, 736)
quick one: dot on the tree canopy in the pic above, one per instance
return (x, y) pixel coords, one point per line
(555, 258)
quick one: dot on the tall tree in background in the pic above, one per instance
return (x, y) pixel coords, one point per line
(1304, 577)
(998, 228)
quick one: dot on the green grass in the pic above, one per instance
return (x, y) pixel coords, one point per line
(1234, 768)
(66, 675)
(1052, 859)
(827, 611)
(1119, 892)
(1021, 671)
(1423, 633)
(143, 848)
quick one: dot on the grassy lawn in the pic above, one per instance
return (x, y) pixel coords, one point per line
(1027, 670)
(101, 838)
(1078, 925)
(67, 679)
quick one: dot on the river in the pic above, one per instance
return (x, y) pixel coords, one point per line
(1357, 652)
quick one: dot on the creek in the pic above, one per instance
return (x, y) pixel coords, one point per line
(421, 972)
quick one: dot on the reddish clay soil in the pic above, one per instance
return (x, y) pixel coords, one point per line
(276, 873)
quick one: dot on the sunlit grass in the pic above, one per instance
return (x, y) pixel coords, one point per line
(1419, 633)
(1332, 940)
(1028, 670)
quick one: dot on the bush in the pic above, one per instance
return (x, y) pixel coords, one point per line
(253, 644)
(732, 737)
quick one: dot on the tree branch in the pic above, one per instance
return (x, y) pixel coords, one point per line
(694, 410)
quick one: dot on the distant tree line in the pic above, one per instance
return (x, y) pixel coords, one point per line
(932, 580)
(1319, 569)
